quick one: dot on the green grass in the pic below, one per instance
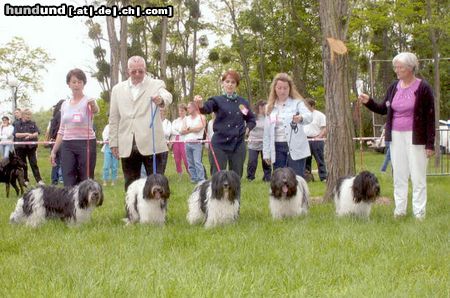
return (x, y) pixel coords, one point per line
(318, 255)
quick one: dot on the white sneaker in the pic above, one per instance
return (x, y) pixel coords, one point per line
(41, 182)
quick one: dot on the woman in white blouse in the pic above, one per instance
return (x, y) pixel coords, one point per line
(6, 135)
(285, 143)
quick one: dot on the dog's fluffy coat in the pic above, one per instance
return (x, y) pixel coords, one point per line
(355, 195)
(73, 205)
(146, 200)
(216, 201)
(289, 194)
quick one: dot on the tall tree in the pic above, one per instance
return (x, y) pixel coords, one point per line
(231, 5)
(26, 64)
(334, 19)
(118, 45)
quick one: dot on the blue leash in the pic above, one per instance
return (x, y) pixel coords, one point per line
(153, 134)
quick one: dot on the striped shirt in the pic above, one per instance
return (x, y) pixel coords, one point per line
(75, 125)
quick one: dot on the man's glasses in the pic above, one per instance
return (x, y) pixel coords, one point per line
(133, 72)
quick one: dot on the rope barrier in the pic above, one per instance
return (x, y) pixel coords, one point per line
(171, 142)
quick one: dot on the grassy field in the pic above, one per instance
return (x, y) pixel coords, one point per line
(318, 255)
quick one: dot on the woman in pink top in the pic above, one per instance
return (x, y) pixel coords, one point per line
(409, 105)
(76, 136)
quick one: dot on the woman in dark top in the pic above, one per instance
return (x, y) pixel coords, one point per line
(26, 130)
(410, 127)
(233, 119)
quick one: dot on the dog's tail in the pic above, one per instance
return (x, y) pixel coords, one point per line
(303, 187)
(17, 215)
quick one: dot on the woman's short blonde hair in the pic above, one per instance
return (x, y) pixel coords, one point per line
(27, 112)
(408, 59)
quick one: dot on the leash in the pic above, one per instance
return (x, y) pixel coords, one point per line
(152, 126)
(88, 150)
(208, 139)
(360, 137)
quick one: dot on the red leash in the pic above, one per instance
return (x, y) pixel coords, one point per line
(88, 151)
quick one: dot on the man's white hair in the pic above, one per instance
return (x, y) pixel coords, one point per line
(136, 59)
(407, 59)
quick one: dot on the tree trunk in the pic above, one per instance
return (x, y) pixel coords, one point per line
(437, 84)
(340, 151)
(194, 62)
(115, 50)
(162, 49)
(123, 47)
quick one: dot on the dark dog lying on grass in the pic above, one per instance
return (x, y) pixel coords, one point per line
(12, 170)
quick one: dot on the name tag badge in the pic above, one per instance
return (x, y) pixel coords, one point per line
(243, 109)
(76, 118)
(273, 118)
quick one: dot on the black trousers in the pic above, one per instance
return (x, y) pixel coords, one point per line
(131, 165)
(234, 159)
(29, 153)
(74, 160)
(317, 150)
(252, 165)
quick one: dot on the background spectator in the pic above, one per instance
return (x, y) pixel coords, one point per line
(6, 135)
(110, 163)
(255, 145)
(179, 150)
(26, 130)
(315, 131)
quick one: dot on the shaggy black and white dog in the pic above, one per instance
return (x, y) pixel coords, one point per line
(146, 200)
(355, 195)
(289, 194)
(216, 201)
(73, 205)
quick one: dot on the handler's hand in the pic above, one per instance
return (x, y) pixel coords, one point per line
(363, 98)
(53, 158)
(157, 100)
(297, 118)
(115, 152)
(429, 152)
(267, 161)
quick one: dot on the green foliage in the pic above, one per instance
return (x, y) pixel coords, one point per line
(42, 119)
(318, 255)
(26, 64)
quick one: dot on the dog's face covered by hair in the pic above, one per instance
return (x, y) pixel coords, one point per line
(226, 184)
(354, 195)
(283, 183)
(216, 201)
(289, 195)
(365, 187)
(146, 200)
(156, 187)
(90, 193)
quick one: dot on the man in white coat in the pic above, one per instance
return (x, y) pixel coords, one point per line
(130, 119)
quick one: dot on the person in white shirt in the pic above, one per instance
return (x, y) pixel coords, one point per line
(255, 145)
(167, 125)
(315, 131)
(6, 135)
(136, 135)
(179, 150)
(193, 129)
